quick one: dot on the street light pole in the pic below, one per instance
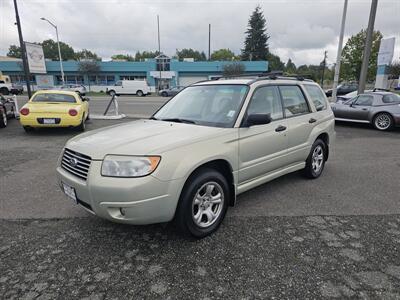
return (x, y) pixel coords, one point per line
(59, 50)
(23, 51)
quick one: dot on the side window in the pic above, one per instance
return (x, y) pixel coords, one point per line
(118, 83)
(364, 100)
(293, 100)
(266, 100)
(316, 96)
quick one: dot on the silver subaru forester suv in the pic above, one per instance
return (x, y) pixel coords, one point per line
(208, 144)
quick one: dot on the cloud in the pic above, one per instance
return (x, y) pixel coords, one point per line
(301, 30)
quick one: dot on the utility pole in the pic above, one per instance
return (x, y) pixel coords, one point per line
(59, 50)
(159, 50)
(23, 51)
(323, 68)
(339, 53)
(367, 49)
(209, 41)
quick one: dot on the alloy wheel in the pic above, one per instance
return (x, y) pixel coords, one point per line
(317, 159)
(207, 204)
(383, 122)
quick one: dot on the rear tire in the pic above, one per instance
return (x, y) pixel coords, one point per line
(112, 93)
(315, 162)
(81, 126)
(139, 93)
(3, 119)
(383, 121)
(28, 129)
(203, 203)
(164, 94)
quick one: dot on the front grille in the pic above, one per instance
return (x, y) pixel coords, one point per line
(76, 163)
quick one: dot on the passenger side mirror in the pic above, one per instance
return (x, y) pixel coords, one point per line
(257, 119)
(86, 99)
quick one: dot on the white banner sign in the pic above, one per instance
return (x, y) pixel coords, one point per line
(386, 51)
(35, 56)
(44, 81)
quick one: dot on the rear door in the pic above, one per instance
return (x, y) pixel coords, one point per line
(300, 122)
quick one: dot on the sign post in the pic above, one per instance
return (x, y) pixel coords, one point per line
(385, 57)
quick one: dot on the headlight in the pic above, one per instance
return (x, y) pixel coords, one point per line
(129, 166)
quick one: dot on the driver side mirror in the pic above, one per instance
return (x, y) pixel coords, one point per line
(86, 99)
(257, 119)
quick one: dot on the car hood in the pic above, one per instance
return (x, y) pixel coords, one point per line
(141, 137)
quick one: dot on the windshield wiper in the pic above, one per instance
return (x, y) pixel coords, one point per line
(179, 120)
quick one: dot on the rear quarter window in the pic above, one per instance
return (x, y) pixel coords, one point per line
(317, 96)
(391, 98)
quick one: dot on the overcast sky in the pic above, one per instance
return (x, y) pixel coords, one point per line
(301, 30)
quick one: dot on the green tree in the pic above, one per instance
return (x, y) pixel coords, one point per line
(223, 54)
(14, 51)
(233, 69)
(256, 42)
(190, 53)
(126, 57)
(86, 54)
(50, 50)
(146, 54)
(290, 67)
(274, 62)
(88, 67)
(352, 55)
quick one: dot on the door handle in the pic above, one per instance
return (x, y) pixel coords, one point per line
(364, 109)
(312, 120)
(280, 128)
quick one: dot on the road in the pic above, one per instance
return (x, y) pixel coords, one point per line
(132, 106)
(337, 236)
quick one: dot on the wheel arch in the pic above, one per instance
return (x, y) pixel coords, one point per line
(223, 167)
(325, 138)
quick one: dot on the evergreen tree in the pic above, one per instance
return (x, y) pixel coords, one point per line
(256, 42)
(290, 67)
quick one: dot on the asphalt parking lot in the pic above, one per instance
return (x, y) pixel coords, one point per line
(337, 236)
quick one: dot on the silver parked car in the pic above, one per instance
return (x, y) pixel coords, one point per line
(381, 109)
(80, 89)
(208, 144)
(171, 91)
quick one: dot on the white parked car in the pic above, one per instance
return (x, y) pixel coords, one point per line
(80, 89)
(129, 87)
(208, 144)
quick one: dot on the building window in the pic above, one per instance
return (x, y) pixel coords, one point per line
(110, 80)
(131, 77)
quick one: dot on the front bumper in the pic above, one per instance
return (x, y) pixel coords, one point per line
(139, 201)
(396, 118)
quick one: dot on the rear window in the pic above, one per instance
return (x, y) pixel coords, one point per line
(50, 97)
(316, 96)
(392, 98)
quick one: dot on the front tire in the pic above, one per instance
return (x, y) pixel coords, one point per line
(203, 203)
(4, 91)
(383, 121)
(3, 119)
(315, 162)
(164, 94)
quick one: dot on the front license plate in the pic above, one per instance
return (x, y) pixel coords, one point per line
(49, 121)
(69, 191)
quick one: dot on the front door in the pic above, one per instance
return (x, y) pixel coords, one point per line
(262, 148)
(359, 110)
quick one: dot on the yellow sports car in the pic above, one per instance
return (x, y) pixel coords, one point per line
(51, 108)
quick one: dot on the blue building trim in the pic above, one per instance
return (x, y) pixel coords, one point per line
(115, 70)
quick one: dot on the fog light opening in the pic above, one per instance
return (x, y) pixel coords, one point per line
(122, 211)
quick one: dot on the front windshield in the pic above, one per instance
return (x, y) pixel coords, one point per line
(208, 105)
(53, 97)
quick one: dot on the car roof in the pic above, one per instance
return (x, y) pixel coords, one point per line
(72, 93)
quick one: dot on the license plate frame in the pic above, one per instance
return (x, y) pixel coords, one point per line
(69, 191)
(49, 121)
